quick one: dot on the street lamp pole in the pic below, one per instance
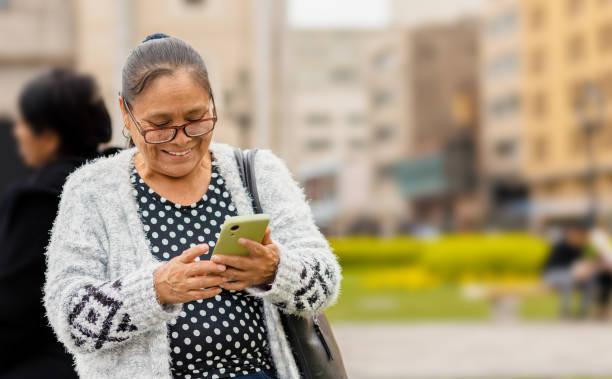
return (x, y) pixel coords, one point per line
(590, 110)
(591, 175)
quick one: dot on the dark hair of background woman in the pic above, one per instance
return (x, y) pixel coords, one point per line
(70, 105)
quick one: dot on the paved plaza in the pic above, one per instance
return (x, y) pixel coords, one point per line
(476, 350)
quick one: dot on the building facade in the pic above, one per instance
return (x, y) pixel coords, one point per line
(329, 141)
(567, 46)
(390, 108)
(440, 173)
(502, 115)
(38, 35)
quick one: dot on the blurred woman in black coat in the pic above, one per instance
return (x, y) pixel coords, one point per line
(62, 120)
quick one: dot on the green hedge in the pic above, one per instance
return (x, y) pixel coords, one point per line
(450, 257)
(368, 251)
(459, 255)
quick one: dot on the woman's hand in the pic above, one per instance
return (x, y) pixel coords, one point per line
(258, 268)
(183, 279)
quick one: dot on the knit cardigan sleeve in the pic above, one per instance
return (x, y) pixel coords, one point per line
(88, 311)
(308, 276)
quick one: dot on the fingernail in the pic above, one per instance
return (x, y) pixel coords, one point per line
(203, 246)
(221, 267)
(226, 279)
(240, 240)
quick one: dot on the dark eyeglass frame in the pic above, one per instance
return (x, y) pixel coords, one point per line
(175, 127)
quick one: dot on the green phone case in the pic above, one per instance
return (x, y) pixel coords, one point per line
(252, 227)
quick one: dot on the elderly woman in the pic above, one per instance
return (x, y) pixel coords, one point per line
(131, 287)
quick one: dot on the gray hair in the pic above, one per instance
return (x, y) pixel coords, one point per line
(160, 55)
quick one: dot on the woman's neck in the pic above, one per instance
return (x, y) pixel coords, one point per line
(183, 190)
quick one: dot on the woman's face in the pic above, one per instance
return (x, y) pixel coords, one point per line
(35, 150)
(173, 99)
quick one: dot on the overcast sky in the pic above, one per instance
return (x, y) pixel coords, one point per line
(374, 13)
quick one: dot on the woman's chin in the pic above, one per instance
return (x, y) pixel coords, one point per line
(178, 171)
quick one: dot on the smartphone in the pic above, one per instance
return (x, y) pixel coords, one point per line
(252, 227)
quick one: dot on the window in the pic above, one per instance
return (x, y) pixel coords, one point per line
(318, 144)
(383, 60)
(576, 92)
(537, 18)
(356, 119)
(320, 188)
(503, 23)
(574, 7)
(539, 149)
(317, 118)
(195, 2)
(243, 77)
(357, 143)
(504, 65)
(383, 97)
(504, 106)
(577, 141)
(385, 172)
(228, 96)
(537, 60)
(605, 83)
(539, 105)
(343, 75)
(505, 149)
(605, 38)
(575, 48)
(384, 133)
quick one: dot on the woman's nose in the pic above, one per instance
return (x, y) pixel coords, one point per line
(181, 137)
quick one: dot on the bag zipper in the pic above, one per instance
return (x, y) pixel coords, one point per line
(315, 320)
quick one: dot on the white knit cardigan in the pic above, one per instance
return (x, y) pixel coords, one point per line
(99, 292)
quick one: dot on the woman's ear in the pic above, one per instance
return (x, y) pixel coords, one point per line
(126, 118)
(50, 143)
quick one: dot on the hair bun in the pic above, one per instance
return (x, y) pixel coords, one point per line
(155, 36)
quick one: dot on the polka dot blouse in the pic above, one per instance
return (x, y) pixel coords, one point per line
(220, 337)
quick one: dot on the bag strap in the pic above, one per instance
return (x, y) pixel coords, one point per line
(246, 168)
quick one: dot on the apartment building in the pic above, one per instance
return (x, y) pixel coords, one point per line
(329, 141)
(502, 115)
(567, 47)
(439, 176)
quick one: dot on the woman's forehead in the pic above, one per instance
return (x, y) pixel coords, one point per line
(156, 108)
(170, 110)
(171, 93)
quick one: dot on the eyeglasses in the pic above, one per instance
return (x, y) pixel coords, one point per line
(163, 134)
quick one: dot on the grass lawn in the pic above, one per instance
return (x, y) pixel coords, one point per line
(359, 302)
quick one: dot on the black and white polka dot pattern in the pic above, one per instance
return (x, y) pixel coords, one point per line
(220, 337)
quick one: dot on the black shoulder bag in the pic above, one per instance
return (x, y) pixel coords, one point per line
(311, 339)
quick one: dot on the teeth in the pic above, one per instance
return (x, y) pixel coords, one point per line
(179, 153)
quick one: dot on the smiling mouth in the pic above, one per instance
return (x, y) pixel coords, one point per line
(178, 153)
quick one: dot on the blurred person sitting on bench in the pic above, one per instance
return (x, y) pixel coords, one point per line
(602, 271)
(565, 268)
